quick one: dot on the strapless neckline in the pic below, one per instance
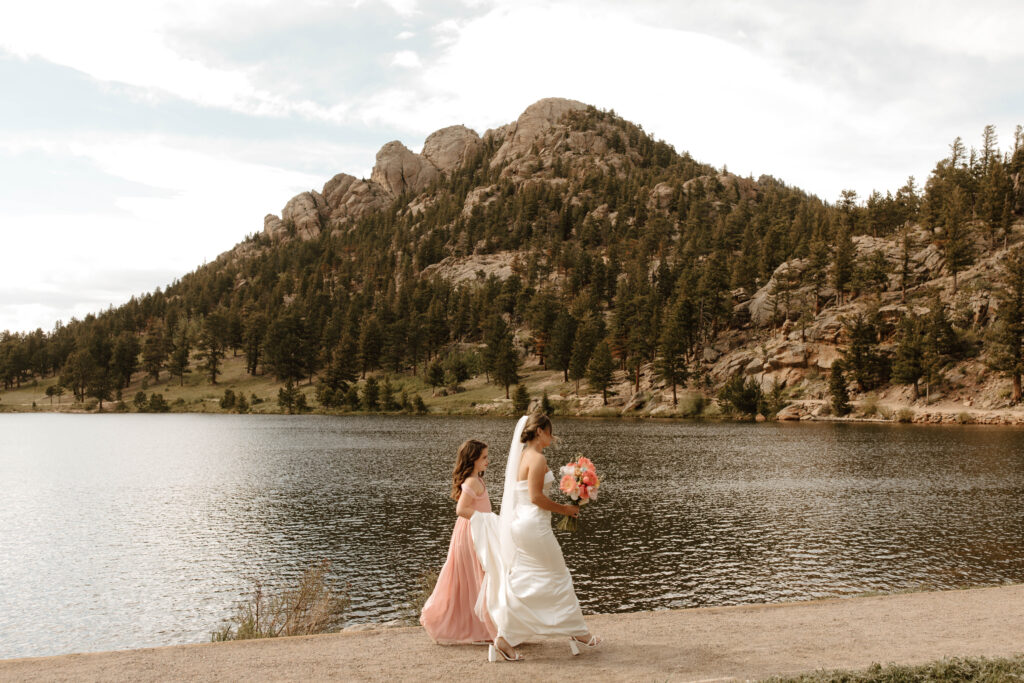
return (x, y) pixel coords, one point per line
(547, 475)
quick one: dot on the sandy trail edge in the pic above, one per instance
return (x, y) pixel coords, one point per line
(747, 641)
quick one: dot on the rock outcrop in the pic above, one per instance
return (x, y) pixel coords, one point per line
(449, 148)
(538, 118)
(273, 227)
(399, 170)
(307, 212)
(349, 197)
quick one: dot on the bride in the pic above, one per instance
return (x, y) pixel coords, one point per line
(527, 589)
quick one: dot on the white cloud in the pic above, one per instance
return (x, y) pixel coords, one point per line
(209, 201)
(123, 41)
(405, 35)
(407, 59)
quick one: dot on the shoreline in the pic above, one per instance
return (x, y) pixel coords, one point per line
(699, 644)
(1006, 417)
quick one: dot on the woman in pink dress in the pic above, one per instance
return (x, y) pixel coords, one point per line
(448, 615)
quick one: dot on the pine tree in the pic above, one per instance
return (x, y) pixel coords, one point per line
(587, 336)
(843, 263)
(435, 375)
(1006, 351)
(521, 399)
(600, 369)
(254, 330)
(125, 359)
(371, 395)
(908, 363)
(675, 344)
(289, 348)
(905, 271)
(371, 343)
(154, 350)
(546, 406)
(211, 346)
(182, 349)
(288, 397)
(563, 334)
(862, 357)
(506, 364)
(837, 388)
(957, 247)
(340, 373)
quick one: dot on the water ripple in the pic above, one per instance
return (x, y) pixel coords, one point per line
(140, 530)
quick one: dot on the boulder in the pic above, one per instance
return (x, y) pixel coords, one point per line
(825, 355)
(273, 227)
(449, 148)
(709, 355)
(789, 355)
(399, 170)
(538, 118)
(661, 196)
(478, 196)
(791, 412)
(307, 212)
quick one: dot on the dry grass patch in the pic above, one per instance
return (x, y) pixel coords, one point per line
(314, 605)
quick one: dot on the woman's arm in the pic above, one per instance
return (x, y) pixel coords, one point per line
(464, 507)
(536, 468)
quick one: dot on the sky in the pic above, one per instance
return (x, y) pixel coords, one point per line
(142, 138)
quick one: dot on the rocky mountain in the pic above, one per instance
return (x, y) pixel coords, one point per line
(571, 230)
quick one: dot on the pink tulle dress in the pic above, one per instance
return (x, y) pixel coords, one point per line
(448, 615)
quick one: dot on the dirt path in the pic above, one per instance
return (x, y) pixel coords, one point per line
(684, 645)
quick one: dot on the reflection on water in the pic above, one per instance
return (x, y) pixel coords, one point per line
(135, 530)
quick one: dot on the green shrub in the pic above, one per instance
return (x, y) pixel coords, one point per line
(691, 405)
(964, 418)
(904, 415)
(521, 399)
(952, 669)
(869, 406)
(157, 404)
(546, 406)
(742, 396)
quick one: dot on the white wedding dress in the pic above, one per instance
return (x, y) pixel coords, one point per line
(527, 590)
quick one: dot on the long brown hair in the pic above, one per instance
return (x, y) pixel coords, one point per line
(469, 452)
(534, 424)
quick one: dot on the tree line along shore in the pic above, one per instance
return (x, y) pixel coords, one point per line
(596, 271)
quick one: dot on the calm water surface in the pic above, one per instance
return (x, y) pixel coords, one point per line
(122, 531)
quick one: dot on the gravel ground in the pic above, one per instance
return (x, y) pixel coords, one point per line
(721, 643)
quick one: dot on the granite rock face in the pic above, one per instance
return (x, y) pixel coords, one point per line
(349, 197)
(531, 124)
(307, 212)
(449, 148)
(273, 227)
(399, 170)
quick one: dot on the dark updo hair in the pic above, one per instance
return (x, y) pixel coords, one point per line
(469, 452)
(534, 424)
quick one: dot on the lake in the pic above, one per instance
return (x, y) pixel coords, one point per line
(121, 531)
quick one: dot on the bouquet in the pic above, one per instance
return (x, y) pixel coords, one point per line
(580, 482)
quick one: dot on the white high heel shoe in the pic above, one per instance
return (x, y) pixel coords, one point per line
(574, 644)
(493, 652)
